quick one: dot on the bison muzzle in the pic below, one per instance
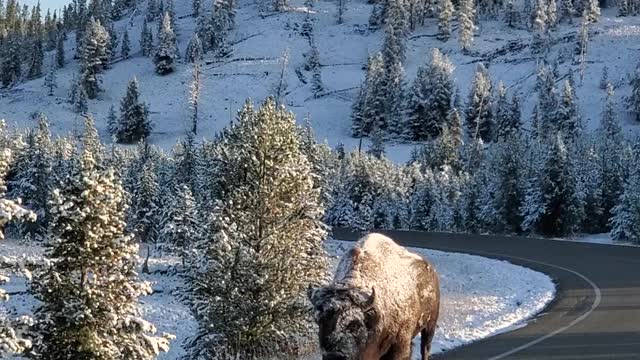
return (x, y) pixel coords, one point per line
(381, 297)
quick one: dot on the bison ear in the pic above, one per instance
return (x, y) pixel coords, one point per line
(371, 300)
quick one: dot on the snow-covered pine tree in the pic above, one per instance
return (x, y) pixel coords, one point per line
(60, 61)
(146, 39)
(466, 28)
(183, 226)
(126, 45)
(540, 26)
(95, 55)
(633, 101)
(567, 118)
(134, 124)
(592, 11)
(280, 88)
(604, 80)
(566, 11)
(369, 107)
(342, 8)
(268, 243)
(113, 123)
(152, 11)
(511, 15)
(145, 211)
(507, 115)
(50, 81)
(165, 54)
(12, 340)
(547, 106)
(36, 58)
(377, 143)
(552, 205)
(12, 60)
(396, 29)
(625, 216)
(583, 43)
(194, 51)
(446, 13)
(196, 8)
(479, 116)
(81, 104)
(430, 98)
(552, 14)
(194, 97)
(394, 100)
(316, 72)
(509, 190)
(33, 178)
(93, 263)
(610, 145)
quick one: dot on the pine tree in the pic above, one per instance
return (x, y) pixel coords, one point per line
(510, 192)
(507, 115)
(146, 40)
(610, 145)
(95, 56)
(60, 52)
(12, 60)
(316, 78)
(145, 193)
(568, 119)
(479, 116)
(552, 206)
(540, 28)
(126, 47)
(36, 58)
(194, 52)
(377, 143)
(12, 340)
(81, 104)
(444, 19)
(152, 10)
(511, 15)
(466, 16)
(552, 14)
(113, 123)
(583, 42)
(267, 243)
(342, 8)
(431, 98)
(196, 6)
(370, 110)
(547, 106)
(625, 220)
(566, 11)
(604, 80)
(194, 98)
(633, 101)
(183, 226)
(93, 263)
(165, 55)
(134, 124)
(50, 81)
(592, 11)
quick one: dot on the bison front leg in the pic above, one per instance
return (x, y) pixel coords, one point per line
(426, 337)
(399, 351)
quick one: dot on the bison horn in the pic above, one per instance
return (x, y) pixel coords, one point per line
(371, 300)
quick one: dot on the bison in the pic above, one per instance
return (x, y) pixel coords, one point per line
(381, 297)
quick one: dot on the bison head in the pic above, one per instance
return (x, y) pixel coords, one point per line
(345, 317)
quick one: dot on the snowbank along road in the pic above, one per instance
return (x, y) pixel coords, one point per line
(596, 314)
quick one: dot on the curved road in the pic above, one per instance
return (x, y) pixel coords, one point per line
(596, 313)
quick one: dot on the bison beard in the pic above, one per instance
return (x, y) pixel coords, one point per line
(381, 297)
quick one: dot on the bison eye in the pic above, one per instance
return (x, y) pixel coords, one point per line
(353, 326)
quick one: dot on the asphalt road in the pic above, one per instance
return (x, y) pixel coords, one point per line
(596, 313)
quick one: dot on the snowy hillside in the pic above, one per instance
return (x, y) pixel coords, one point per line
(260, 39)
(472, 307)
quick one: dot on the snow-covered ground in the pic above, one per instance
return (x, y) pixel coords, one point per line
(480, 296)
(604, 238)
(254, 66)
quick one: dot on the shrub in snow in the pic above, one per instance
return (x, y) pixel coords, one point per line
(89, 292)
